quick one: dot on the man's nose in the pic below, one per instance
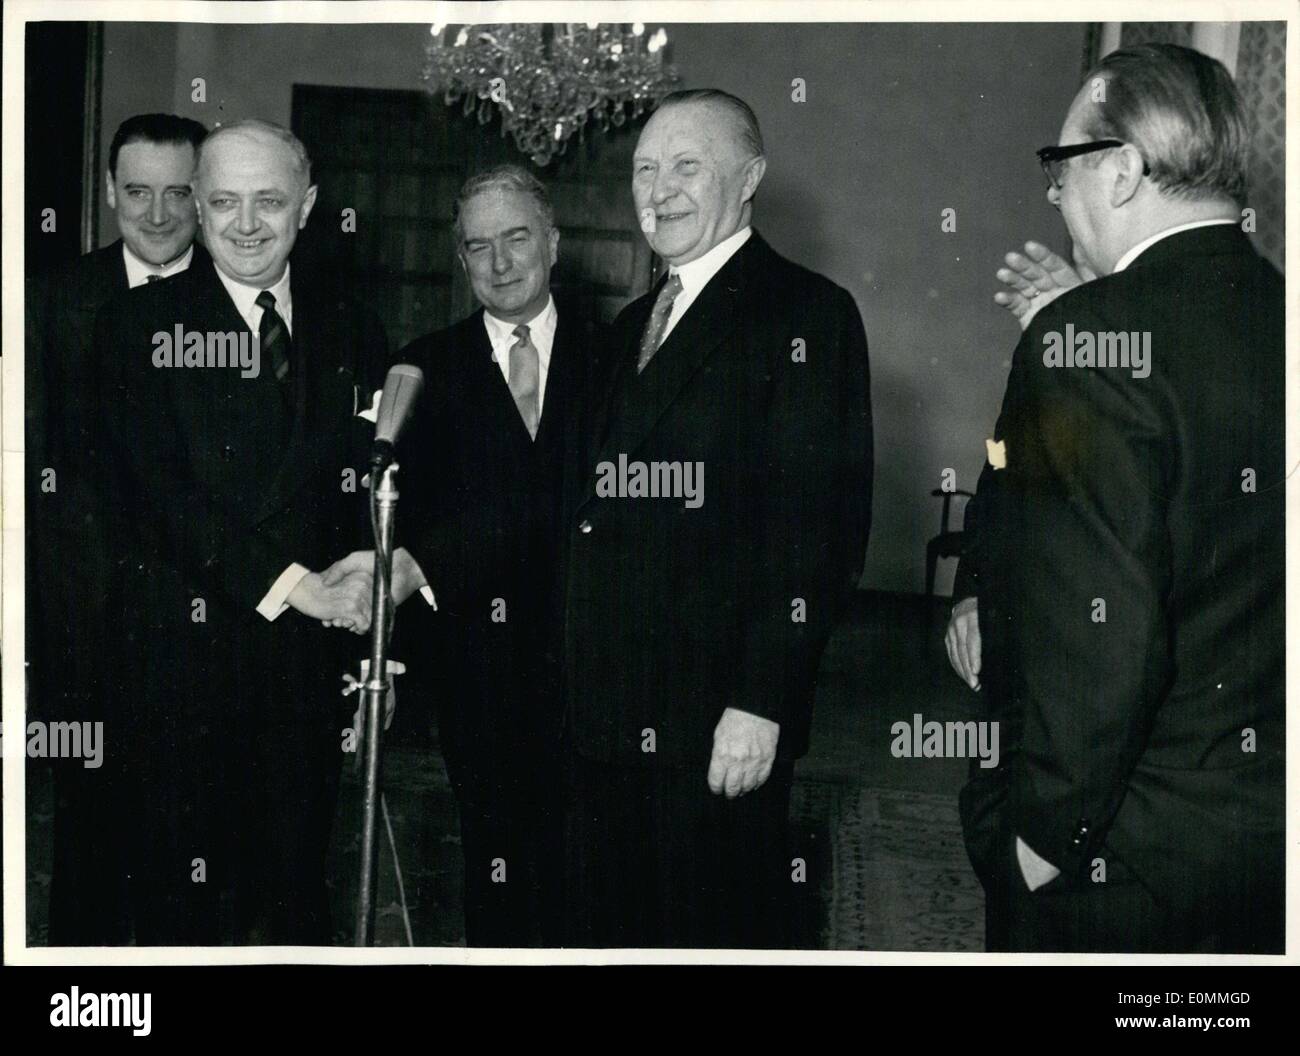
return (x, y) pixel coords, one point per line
(501, 261)
(248, 221)
(1054, 196)
(157, 211)
(665, 186)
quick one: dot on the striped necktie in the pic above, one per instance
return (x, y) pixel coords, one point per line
(658, 321)
(273, 335)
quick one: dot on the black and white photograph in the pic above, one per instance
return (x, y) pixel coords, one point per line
(733, 484)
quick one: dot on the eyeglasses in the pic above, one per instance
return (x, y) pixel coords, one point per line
(1053, 159)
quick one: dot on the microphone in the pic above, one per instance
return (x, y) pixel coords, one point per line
(401, 389)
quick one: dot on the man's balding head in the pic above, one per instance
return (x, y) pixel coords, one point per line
(739, 119)
(267, 133)
(1181, 155)
(254, 194)
(697, 167)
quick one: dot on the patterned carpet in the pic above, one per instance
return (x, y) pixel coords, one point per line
(886, 868)
(902, 881)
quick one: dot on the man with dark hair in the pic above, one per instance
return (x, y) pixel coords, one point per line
(483, 468)
(1122, 591)
(147, 182)
(694, 617)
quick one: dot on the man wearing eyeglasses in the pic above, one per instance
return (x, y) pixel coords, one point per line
(1122, 598)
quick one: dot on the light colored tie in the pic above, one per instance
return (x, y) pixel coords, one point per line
(524, 379)
(658, 321)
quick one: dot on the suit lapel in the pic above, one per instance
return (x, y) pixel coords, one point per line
(323, 386)
(637, 402)
(485, 377)
(565, 350)
(115, 280)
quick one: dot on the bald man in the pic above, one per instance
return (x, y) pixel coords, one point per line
(719, 522)
(231, 412)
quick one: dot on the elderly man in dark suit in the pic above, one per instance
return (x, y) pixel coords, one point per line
(718, 520)
(1122, 595)
(231, 408)
(483, 468)
(150, 166)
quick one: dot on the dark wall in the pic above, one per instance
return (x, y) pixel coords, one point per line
(54, 108)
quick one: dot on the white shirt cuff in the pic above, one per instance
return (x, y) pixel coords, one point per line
(274, 603)
(1036, 871)
(371, 413)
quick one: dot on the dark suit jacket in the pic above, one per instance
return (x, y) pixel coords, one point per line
(63, 378)
(222, 485)
(671, 614)
(480, 513)
(1124, 739)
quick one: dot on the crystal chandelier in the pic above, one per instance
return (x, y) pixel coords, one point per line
(549, 79)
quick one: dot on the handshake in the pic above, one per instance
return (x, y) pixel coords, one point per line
(341, 595)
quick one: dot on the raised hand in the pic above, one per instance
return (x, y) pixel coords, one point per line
(1034, 279)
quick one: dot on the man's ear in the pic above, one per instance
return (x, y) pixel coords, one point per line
(1128, 175)
(112, 191)
(304, 210)
(754, 169)
(553, 238)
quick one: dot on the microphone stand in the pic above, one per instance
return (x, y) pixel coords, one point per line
(384, 497)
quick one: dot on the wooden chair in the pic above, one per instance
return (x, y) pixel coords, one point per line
(947, 543)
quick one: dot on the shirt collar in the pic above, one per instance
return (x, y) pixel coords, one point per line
(695, 274)
(541, 328)
(1147, 243)
(138, 272)
(245, 298)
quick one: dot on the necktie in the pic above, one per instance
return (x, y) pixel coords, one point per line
(151, 277)
(524, 380)
(654, 327)
(273, 335)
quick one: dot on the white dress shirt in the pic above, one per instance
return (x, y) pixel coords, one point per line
(696, 274)
(138, 272)
(245, 298)
(1147, 243)
(541, 332)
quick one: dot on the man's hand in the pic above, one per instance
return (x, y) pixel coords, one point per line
(407, 577)
(1034, 279)
(963, 641)
(342, 602)
(744, 747)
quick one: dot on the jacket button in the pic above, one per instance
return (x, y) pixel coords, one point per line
(585, 527)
